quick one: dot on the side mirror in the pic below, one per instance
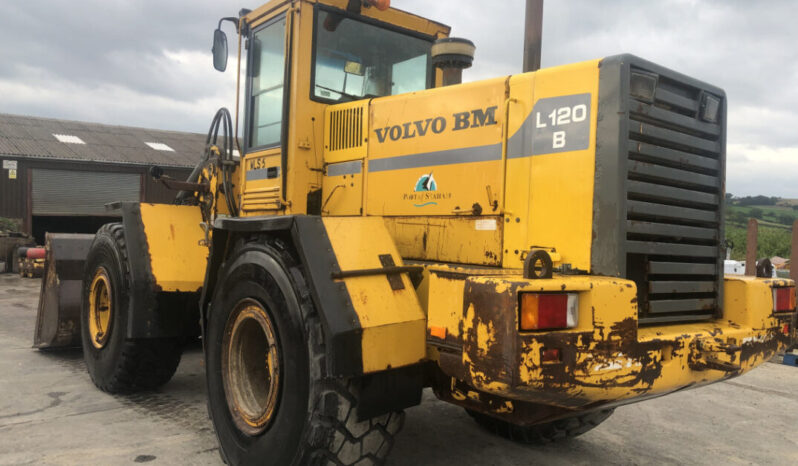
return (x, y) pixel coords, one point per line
(156, 172)
(219, 50)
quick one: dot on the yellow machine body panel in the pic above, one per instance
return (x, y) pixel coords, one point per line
(174, 236)
(445, 159)
(392, 321)
(343, 187)
(437, 152)
(551, 163)
(347, 132)
(463, 239)
(345, 149)
(263, 182)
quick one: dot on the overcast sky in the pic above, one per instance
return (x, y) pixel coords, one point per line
(147, 63)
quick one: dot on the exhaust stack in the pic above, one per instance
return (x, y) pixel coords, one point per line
(533, 35)
(452, 55)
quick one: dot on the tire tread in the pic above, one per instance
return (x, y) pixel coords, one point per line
(142, 364)
(554, 431)
(333, 434)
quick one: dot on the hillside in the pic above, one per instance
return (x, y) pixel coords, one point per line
(776, 217)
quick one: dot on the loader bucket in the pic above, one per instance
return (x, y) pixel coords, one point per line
(58, 319)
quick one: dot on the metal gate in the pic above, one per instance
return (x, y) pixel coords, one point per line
(68, 192)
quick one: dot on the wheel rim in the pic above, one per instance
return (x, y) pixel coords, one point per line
(250, 367)
(100, 308)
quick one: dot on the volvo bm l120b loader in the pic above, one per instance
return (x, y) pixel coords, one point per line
(538, 248)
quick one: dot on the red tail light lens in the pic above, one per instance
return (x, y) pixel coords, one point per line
(784, 299)
(550, 355)
(548, 311)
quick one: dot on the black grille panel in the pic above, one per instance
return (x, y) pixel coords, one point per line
(674, 193)
(346, 129)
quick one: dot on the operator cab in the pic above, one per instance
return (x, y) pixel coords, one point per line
(356, 59)
(350, 50)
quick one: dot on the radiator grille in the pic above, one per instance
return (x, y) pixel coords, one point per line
(674, 196)
(346, 129)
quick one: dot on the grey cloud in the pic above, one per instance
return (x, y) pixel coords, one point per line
(99, 42)
(745, 47)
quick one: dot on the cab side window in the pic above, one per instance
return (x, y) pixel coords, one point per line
(267, 72)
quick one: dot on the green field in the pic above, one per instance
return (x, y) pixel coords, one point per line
(772, 241)
(775, 216)
(775, 227)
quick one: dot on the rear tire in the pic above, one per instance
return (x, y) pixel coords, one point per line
(553, 431)
(116, 364)
(313, 418)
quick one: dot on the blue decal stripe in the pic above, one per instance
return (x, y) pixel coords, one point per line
(444, 157)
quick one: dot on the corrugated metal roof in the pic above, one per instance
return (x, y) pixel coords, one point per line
(24, 136)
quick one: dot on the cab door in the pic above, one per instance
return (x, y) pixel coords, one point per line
(265, 124)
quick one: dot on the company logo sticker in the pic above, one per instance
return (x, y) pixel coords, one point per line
(426, 183)
(425, 192)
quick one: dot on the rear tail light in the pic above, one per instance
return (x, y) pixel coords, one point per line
(550, 355)
(784, 299)
(381, 5)
(548, 311)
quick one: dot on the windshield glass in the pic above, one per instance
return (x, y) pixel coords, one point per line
(355, 60)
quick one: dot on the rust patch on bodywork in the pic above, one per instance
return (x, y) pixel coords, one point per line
(605, 360)
(764, 347)
(495, 352)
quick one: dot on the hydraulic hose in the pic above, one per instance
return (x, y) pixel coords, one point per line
(221, 120)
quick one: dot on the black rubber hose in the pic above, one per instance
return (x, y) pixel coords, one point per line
(221, 119)
(193, 177)
(227, 159)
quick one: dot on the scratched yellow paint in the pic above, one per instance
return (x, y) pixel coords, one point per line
(173, 236)
(393, 207)
(653, 360)
(449, 239)
(393, 322)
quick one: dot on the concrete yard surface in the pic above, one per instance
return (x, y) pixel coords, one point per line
(51, 413)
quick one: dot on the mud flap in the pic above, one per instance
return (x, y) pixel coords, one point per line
(373, 324)
(372, 318)
(377, 287)
(58, 317)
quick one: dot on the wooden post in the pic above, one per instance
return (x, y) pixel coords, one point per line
(794, 253)
(751, 246)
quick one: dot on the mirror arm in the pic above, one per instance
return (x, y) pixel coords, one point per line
(229, 18)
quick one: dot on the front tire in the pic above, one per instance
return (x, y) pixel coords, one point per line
(269, 397)
(116, 364)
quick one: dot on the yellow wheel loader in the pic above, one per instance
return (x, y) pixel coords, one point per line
(538, 248)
